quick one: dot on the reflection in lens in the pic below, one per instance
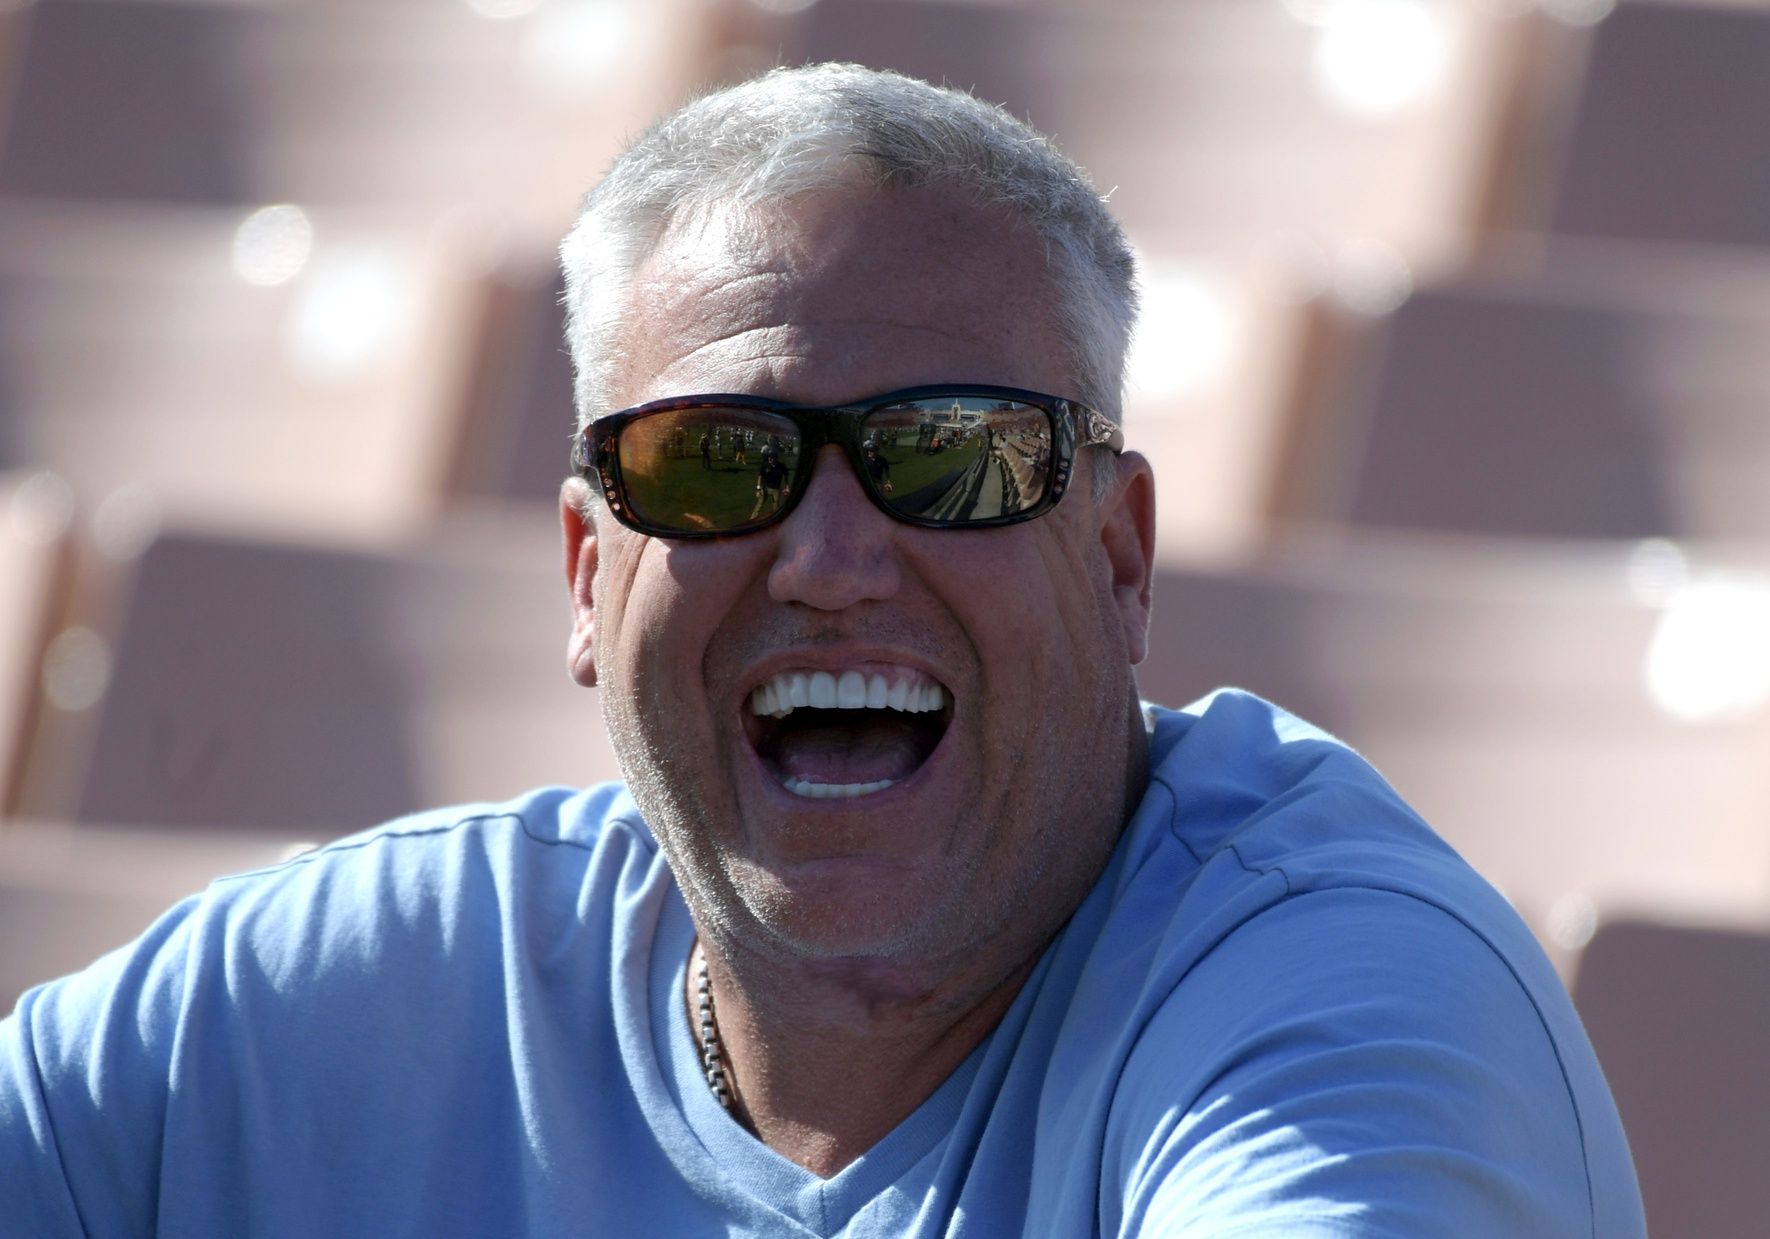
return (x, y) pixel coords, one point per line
(961, 458)
(699, 470)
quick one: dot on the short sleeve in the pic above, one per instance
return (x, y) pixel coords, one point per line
(85, 1066)
(1348, 1062)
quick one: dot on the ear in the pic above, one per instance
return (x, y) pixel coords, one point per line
(578, 532)
(1127, 532)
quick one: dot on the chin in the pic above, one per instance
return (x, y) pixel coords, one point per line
(845, 909)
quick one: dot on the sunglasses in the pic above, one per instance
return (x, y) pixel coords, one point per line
(953, 456)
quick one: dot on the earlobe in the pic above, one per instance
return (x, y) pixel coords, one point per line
(1127, 532)
(578, 534)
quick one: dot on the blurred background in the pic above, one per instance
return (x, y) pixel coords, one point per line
(1453, 370)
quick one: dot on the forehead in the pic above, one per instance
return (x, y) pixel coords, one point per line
(840, 295)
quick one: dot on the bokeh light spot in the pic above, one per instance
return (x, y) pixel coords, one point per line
(1709, 659)
(76, 669)
(1572, 920)
(42, 508)
(1377, 57)
(272, 244)
(1185, 333)
(354, 305)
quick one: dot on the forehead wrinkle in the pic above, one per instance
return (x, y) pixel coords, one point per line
(775, 349)
(716, 343)
(908, 327)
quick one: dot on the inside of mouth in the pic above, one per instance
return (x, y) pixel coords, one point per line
(848, 748)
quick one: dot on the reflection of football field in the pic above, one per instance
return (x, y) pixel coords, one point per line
(722, 495)
(911, 470)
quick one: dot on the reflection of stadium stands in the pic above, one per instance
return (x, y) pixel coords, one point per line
(1452, 375)
(991, 485)
(942, 498)
(1019, 472)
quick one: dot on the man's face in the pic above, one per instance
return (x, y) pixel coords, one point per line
(998, 800)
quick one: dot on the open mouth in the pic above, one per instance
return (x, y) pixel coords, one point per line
(827, 736)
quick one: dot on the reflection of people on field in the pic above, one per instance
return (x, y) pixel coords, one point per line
(878, 468)
(740, 446)
(706, 450)
(771, 482)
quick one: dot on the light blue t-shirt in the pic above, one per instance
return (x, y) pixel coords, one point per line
(1286, 1009)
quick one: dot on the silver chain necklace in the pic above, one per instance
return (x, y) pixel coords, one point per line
(712, 1052)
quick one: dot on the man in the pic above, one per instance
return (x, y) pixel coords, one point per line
(878, 468)
(909, 920)
(771, 481)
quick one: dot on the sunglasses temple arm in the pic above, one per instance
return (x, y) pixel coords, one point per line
(1097, 428)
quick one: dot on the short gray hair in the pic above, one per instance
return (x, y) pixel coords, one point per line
(796, 130)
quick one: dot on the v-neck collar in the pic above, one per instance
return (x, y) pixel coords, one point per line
(822, 1206)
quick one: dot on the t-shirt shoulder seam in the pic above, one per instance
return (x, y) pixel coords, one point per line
(1158, 779)
(1290, 887)
(395, 832)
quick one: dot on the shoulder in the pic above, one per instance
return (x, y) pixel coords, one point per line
(1335, 1014)
(437, 902)
(317, 986)
(437, 887)
(440, 870)
(1250, 796)
(1359, 1055)
(1265, 837)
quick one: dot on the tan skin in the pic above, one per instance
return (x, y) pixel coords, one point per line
(861, 948)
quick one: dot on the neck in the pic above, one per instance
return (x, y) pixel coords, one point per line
(825, 1065)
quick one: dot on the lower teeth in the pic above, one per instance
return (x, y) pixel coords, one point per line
(833, 791)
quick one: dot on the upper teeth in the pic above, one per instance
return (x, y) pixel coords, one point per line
(820, 690)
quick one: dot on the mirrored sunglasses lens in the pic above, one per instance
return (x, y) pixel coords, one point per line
(959, 458)
(707, 470)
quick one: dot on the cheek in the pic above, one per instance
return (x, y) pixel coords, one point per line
(665, 603)
(1053, 655)
(617, 594)
(1021, 626)
(1076, 562)
(1060, 604)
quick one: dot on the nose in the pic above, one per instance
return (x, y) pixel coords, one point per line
(836, 549)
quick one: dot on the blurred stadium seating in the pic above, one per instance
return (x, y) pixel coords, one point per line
(1579, 399)
(1677, 1015)
(135, 353)
(320, 689)
(1672, 96)
(1451, 372)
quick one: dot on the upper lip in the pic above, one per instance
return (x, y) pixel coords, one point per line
(875, 687)
(836, 662)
